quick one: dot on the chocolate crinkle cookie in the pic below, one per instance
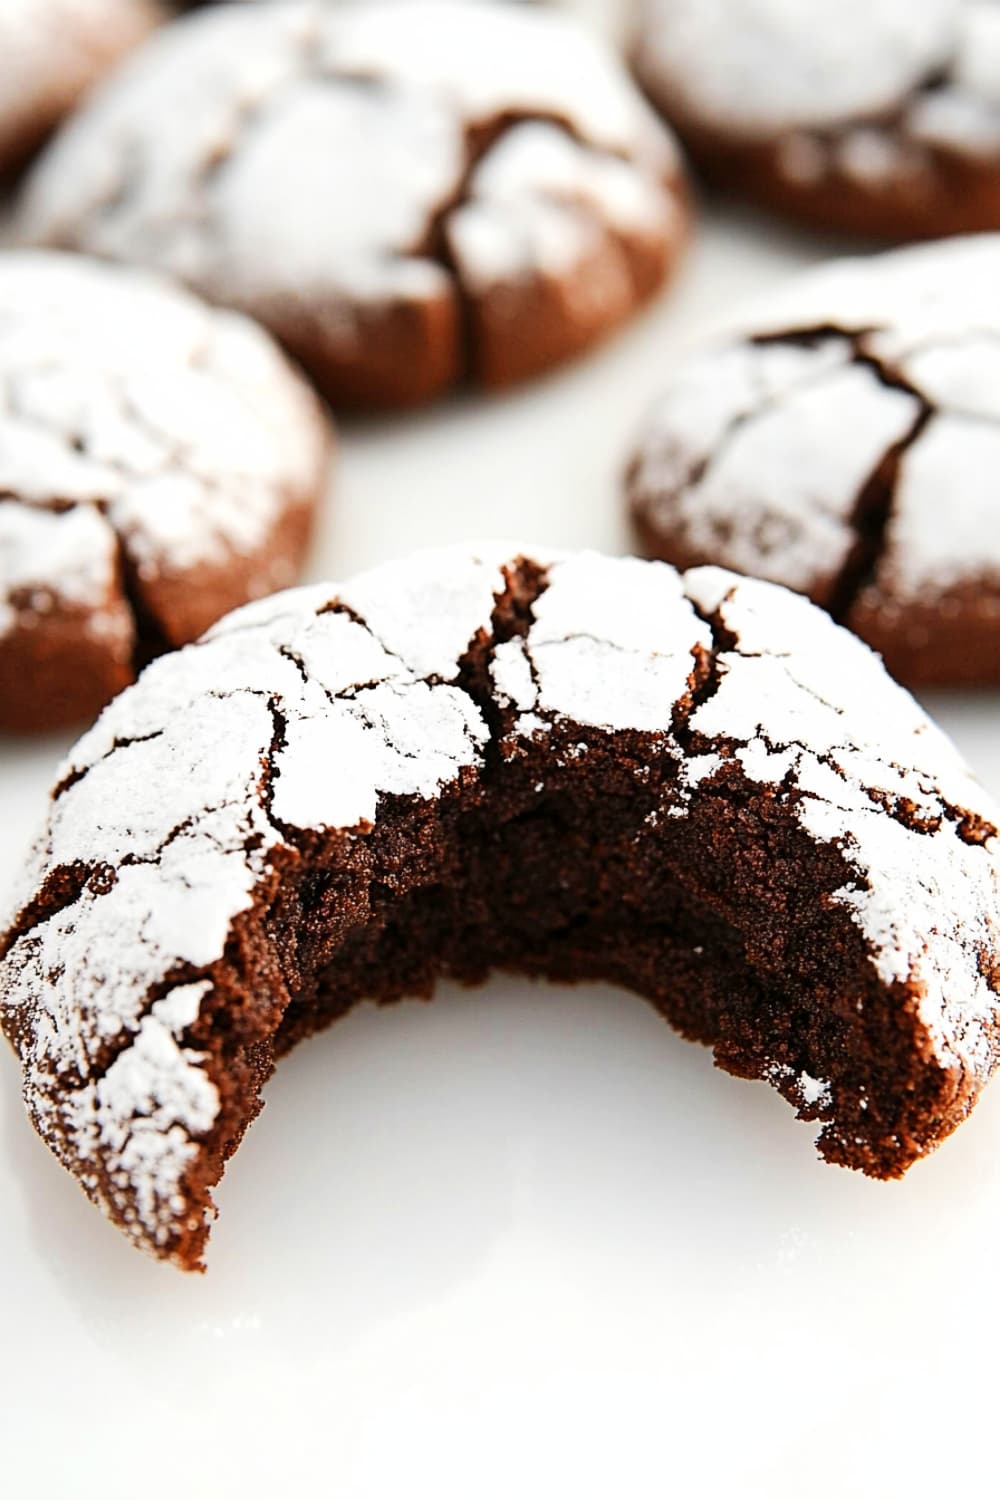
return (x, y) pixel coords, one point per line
(51, 53)
(697, 786)
(160, 463)
(845, 441)
(407, 194)
(875, 116)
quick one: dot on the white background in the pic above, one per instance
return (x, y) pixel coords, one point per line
(523, 1242)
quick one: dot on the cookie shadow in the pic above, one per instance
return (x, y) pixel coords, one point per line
(421, 1151)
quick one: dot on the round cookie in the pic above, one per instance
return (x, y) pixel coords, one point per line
(846, 442)
(881, 117)
(580, 767)
(407, 194)
(160, 462)
(51, 52)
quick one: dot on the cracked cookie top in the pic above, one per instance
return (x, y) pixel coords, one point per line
(367, 177)
(843, 441)
(51, 51)
(303, 722)
(884, 99)
(145, 439)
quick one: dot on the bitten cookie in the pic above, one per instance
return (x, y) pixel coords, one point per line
(846, 442)
(407, 194)
(159, 463)
(51, 52)
(582, 767)
(881, 117)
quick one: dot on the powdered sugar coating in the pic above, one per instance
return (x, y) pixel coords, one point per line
(620, 675)
(76, 549)
(803, 699)
(134, 419)
(541, 198)
(963, 114)
(866, 92)
(230, 147)
(761, 448)
(760, 66)
(306, 710)
(141, 1113)
(50, 52)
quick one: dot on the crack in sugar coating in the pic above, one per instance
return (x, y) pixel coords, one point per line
(928, 815)
(813, 447)
(572, 766)
(500, 169)
(881, 118)
(159, 463)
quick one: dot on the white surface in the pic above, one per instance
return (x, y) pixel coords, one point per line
(523, 1242)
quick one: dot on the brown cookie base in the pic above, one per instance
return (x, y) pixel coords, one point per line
(951, 195)
(406, 354)
(522, 329)
(56, 670)
(933, 193)
(176, 607)
(402, 354)
(950, 641)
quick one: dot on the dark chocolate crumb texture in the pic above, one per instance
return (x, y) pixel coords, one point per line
(697, 786)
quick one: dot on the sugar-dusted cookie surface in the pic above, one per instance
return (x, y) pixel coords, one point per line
(875, 116)
(408, 194)
(845, 441)
(160, 462)
(51, 53)
(695, 785)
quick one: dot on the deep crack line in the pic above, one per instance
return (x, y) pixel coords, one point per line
(481, 140)
(872, 516)
(708, 672)
(511, 619)
(873, 509)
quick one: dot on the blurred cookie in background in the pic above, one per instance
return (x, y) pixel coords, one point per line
(878, 117)
(160, 462)
(846, 442)
(409, 195)
(51, 53)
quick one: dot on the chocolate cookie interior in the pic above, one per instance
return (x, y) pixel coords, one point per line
(746, 883)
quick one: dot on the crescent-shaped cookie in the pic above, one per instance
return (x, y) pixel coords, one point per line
(695, 785)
